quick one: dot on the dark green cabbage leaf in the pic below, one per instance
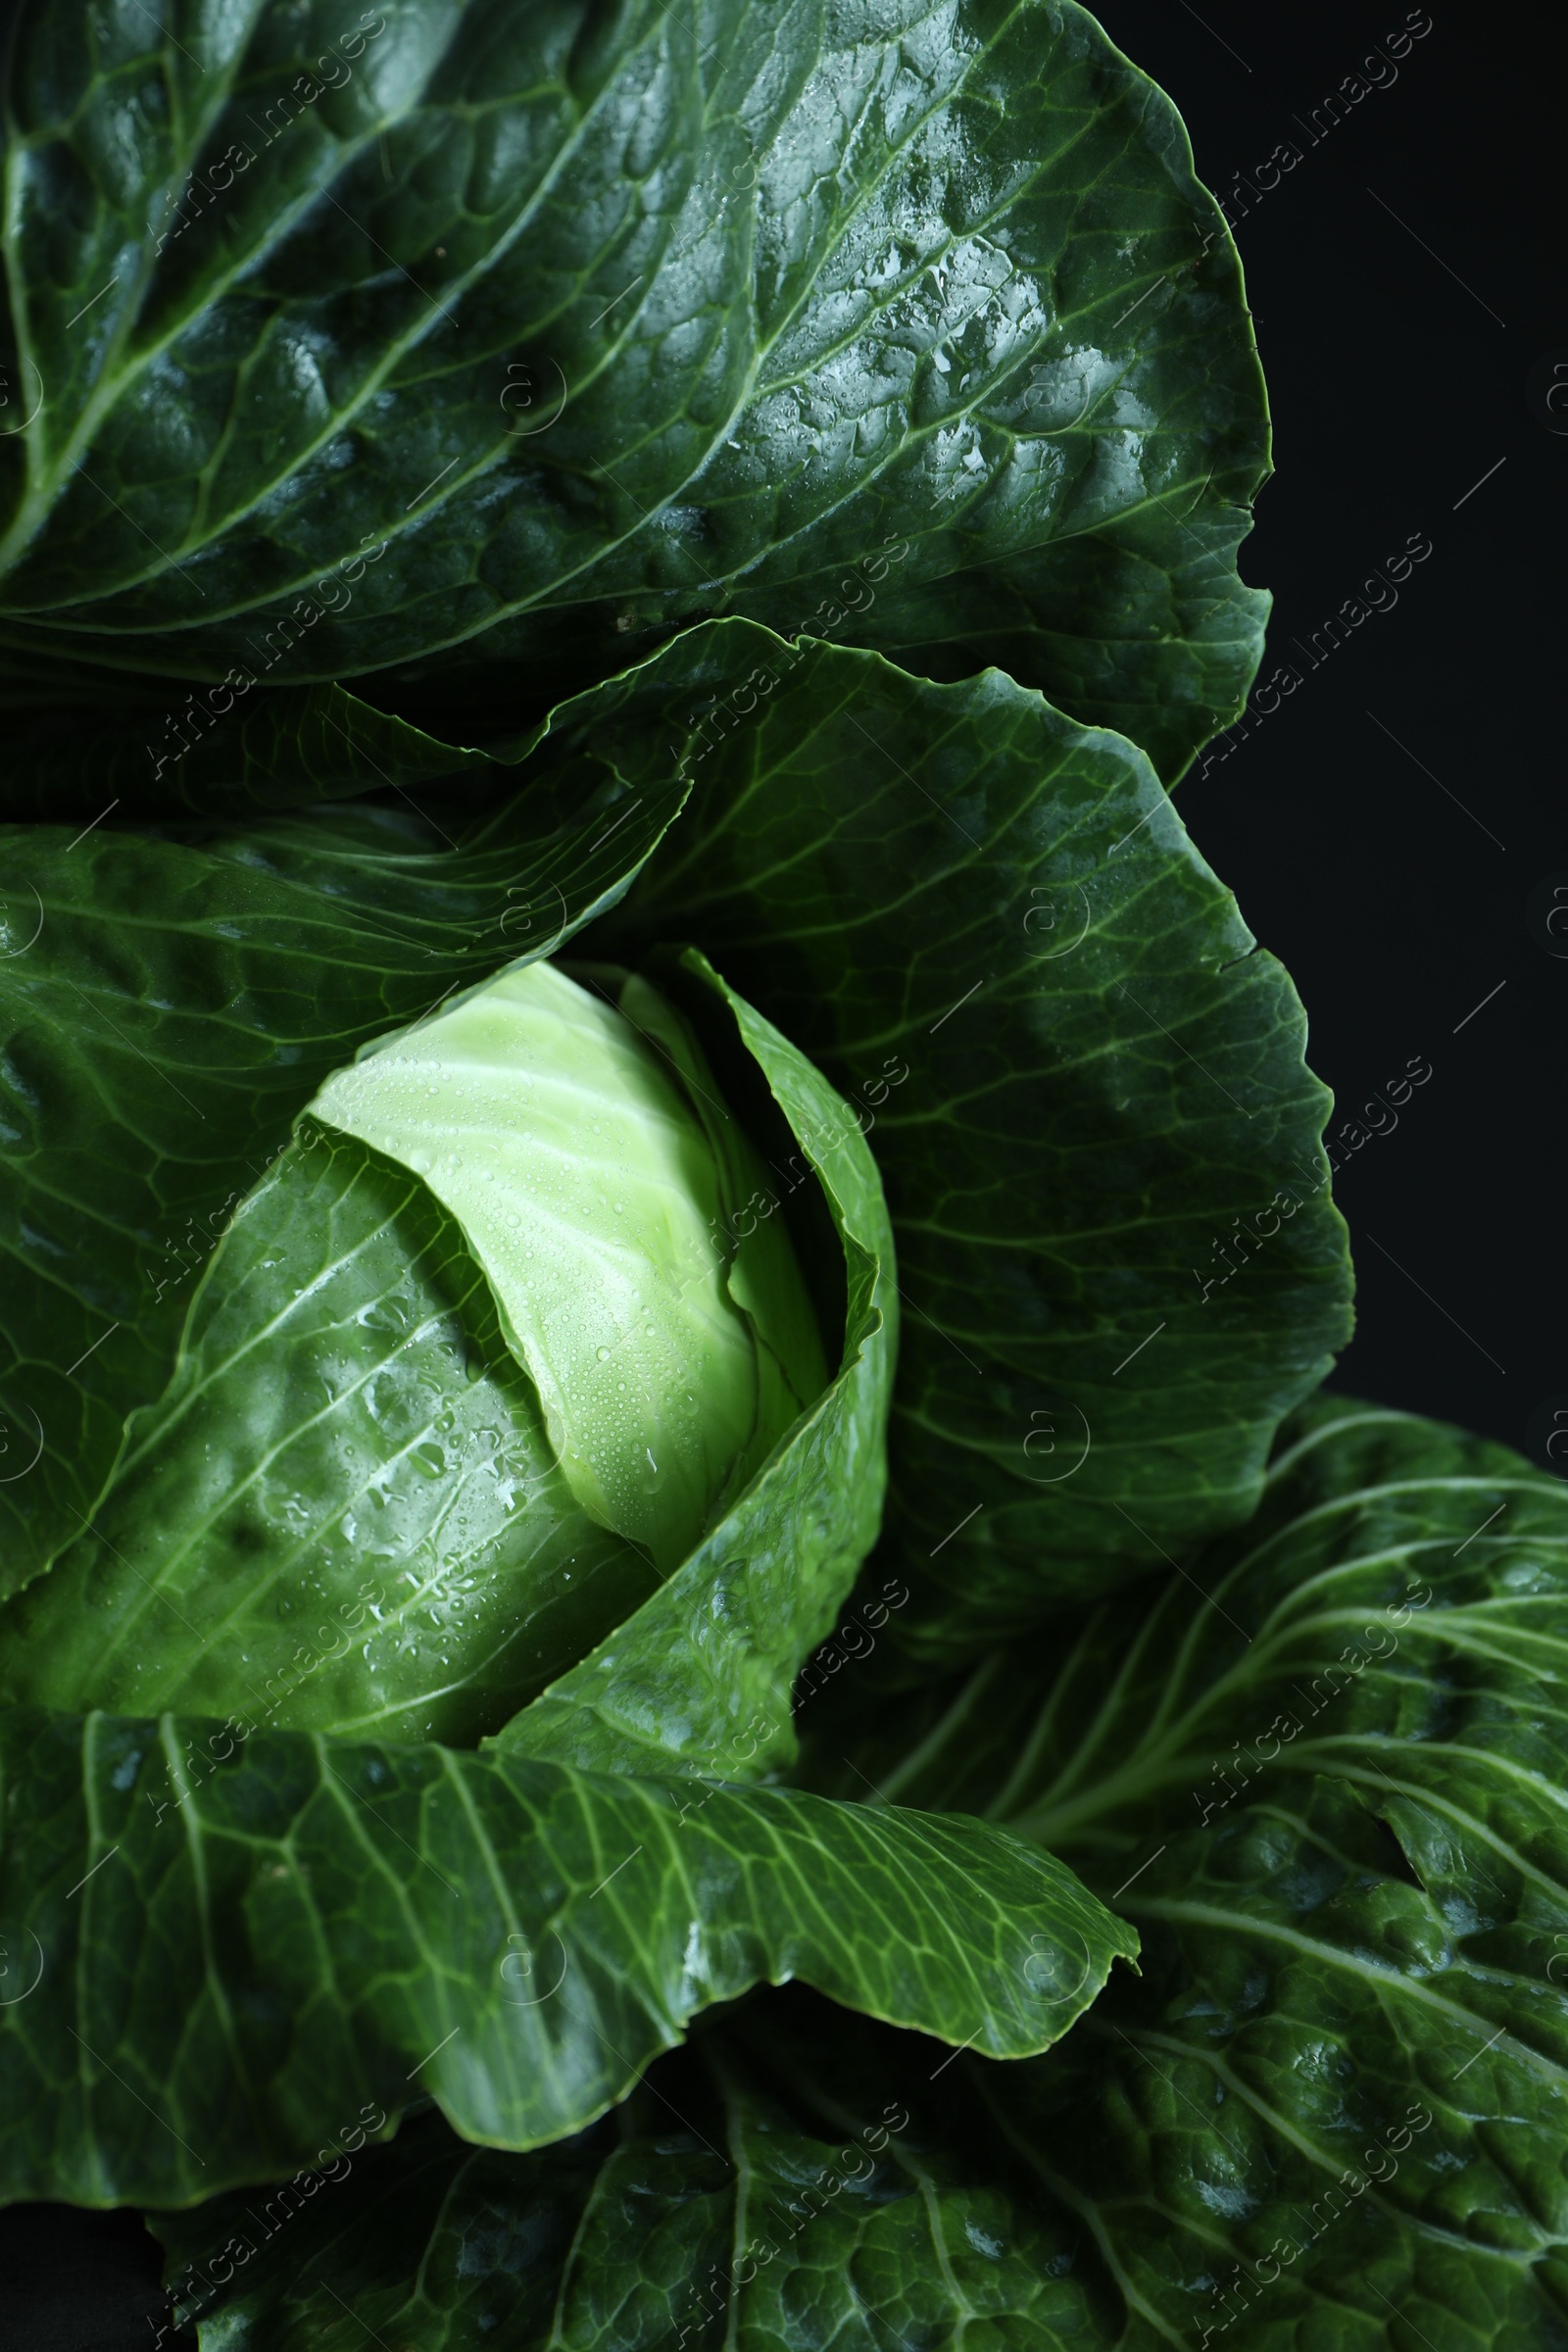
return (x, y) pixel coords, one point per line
(234, 1946)
(1322, 1768)
(1327, 1786)
(783, 2183)
(514, 337)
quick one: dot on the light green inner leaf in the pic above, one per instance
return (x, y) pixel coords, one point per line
(546, 1121)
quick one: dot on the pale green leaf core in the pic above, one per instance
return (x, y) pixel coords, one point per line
(562, 1139)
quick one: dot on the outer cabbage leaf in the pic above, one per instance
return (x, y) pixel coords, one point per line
(1078, 1075)
(344, 1513)
(1326, 1774)
(238, 1950)
(339, 344)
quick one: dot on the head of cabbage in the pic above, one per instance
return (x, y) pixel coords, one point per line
(579, 1140)
(510, 1325)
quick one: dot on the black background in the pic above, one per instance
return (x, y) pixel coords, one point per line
(1400, 355)
(1405, 357)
